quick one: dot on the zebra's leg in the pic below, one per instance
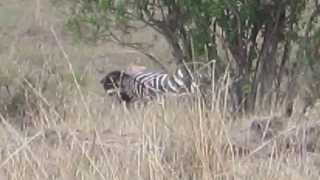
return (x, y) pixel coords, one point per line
(160, 99)
(139, 105)
(126, 106)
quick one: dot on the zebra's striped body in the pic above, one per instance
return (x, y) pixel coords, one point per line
(149, 84)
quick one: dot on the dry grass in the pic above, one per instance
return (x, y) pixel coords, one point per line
(56, 122)
(65, 140)
(61, 133)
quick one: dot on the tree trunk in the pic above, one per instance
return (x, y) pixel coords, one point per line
(268, 69)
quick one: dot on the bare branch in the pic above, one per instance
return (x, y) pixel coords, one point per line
(314, 14)
(153, 23)
(316, 3)
(224, 44)
(162, 12)
(237, 15)
(161, 27)
(138, 49)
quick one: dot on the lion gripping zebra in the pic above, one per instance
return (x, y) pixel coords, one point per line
(147, 85)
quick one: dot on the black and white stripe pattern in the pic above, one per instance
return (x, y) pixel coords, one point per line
(148, 84)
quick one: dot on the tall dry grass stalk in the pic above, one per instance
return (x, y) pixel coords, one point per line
(174, 141)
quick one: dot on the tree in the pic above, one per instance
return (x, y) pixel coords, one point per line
(256, 34)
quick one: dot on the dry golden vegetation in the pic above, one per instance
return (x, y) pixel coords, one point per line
(57, 123)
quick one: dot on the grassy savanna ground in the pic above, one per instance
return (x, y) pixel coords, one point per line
(56, 122)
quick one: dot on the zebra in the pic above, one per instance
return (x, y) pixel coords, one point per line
(147, 85)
